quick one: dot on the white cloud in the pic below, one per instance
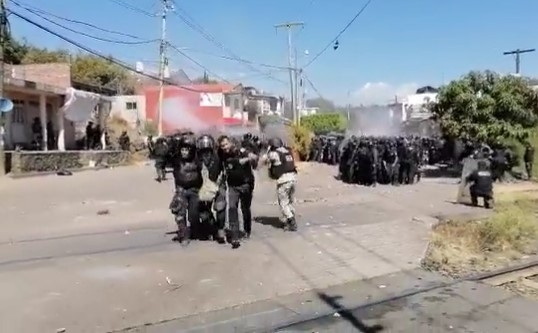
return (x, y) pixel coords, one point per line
(382, 93)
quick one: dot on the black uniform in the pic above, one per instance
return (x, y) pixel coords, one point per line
(236, 189)
(188, 180)
(482, 184)
(160, 154)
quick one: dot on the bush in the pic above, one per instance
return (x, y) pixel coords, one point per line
(324, 123)
(301, 138)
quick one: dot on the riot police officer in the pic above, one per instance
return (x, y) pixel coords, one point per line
(188, 180)
(160, 154)
(482, 184)
(236, 188)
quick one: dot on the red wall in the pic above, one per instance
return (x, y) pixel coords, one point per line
(181, 108)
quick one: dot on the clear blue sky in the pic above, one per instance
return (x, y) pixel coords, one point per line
(394, 45)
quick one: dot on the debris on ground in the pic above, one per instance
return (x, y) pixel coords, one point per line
(103, 212)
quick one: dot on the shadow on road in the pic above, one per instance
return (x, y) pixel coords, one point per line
(270, 221)
(345, 314)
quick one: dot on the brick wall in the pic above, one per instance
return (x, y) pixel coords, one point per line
(56, 74)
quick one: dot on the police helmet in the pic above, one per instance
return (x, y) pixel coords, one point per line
(247, 136)
(187, 141)
(205, 142)
(275, 142)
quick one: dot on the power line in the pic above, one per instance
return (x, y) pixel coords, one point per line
(313, 86)
(239, 60)
(41, 11)
(83, 33)
(134, 8)
(95, 53)
(340, 33)
(178, 50)
(191, 22)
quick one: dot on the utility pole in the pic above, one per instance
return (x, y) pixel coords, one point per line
(518, 52)
(163, 63)
(292, 66)
(3, 33)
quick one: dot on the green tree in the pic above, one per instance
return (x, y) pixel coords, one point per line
(322, 123)
(96, 71)
(35, 55)
(14, 51)
(85, 68)
(488, 107)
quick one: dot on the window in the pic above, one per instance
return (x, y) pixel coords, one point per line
(130, 105)
(227, 100)
(236, 104)
(18, 111)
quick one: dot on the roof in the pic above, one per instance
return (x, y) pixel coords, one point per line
(213, 88)
(19, 83)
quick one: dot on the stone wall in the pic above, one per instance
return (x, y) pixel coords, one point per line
(35, 162)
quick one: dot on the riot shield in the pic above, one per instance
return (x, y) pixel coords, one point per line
(464, 192)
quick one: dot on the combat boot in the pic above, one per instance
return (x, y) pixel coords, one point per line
(221, 236)
(291, 224)
(183, 235)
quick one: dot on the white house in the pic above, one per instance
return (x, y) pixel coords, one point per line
(131, 108)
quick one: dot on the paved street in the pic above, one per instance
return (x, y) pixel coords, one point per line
(89, 252)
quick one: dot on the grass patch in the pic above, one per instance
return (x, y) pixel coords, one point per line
(462, 247)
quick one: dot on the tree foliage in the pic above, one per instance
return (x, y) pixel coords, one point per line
(85, 68)
(488, 107)
(103, 73)
(14, 51)
(35, 55)
(322, 123)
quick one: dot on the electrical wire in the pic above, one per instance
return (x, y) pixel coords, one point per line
(313, 86)
(134, 8)
(178, 50)
(191, 23)
(85, 34)
(41, 11)
(239, 60)
(95, 53)
(359, 13)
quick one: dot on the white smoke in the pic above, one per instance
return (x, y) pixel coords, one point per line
(178, 114)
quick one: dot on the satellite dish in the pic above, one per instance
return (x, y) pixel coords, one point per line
(306, 52)
(6, 105)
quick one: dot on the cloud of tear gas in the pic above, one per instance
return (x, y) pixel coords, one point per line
(178, 114)
(381, 93)
(277, 130)
(376, 121)
(377, 114)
